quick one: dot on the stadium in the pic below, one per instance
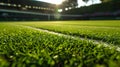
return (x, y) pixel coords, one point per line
(59, 33)
(37, 10)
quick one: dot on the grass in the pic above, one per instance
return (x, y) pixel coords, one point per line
(25, 47)
(107, 31)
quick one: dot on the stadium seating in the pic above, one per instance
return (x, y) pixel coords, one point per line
(27, 5)
(25, 10)
(35, 10)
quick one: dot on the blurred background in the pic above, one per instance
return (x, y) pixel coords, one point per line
(31, 10)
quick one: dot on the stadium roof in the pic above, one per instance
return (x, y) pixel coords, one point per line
(28, 2)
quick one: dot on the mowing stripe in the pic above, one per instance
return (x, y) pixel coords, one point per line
(97, 42)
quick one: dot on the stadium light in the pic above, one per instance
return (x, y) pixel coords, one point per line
(70, 8)
(29, 6)
(36, 7)
(33, 7)
(39, 7)
(14, 5)
(9, 4)
(26, 6)
(2, 4)
(66, 9)
(60, 10)
(19, 5)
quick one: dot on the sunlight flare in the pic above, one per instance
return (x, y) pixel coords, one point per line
(57, 2)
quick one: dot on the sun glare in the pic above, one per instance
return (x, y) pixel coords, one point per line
(57, 2)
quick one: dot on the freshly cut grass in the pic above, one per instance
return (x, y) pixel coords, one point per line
(107, 31)
(24, 47)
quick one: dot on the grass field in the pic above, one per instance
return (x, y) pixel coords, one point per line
(22, 46)
(108, 31)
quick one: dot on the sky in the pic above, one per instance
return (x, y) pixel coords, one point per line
(80, 2)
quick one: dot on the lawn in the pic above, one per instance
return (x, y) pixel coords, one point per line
(21, 46)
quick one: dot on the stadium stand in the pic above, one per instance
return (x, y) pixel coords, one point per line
(109, 10)
(25, 10)
(31, 10)
(14, 10)
(27, 5)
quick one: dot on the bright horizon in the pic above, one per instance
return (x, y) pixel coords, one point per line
(53, 1)
(80, 2)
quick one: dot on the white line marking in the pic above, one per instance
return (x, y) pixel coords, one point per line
(75, 37)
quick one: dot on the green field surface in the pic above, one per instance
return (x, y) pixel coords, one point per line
(21, 46)
(107, 31)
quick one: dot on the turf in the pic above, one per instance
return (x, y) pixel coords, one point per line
(25, 47)
(107, 31)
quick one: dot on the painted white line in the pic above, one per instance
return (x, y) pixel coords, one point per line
(111, 46)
